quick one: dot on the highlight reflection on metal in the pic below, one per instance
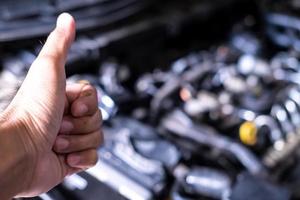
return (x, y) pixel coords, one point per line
(134, 159)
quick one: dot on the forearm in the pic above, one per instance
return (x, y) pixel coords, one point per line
(13, 163)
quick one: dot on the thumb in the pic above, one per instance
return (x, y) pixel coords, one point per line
(42, 95)
(46, 79)
(48, 72)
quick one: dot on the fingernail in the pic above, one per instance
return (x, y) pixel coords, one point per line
(86, 93)
(82, 109)
(62, 143)
(63, 20)
(66, 126)
(74, 160)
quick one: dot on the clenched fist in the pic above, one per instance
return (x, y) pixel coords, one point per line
(49, 130)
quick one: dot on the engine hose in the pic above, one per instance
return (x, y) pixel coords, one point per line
(268, 121)
(204, 136)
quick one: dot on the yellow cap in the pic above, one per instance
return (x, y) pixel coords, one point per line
(248, 133)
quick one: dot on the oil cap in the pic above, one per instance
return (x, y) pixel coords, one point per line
(248, 133)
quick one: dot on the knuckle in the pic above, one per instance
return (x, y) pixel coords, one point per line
(94, 94)
(58, 33)
(61, 35)
(101, 138)
(98, 118)
(94, 158)
(98, 139)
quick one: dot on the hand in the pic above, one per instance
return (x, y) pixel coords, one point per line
(42, 108)
(79, 135)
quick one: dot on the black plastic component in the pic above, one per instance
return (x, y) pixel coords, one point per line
(18, 23)
(249, 187)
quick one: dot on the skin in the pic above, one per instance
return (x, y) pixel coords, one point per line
(49, 130)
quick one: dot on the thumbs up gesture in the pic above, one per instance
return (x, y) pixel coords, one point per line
(56, 126)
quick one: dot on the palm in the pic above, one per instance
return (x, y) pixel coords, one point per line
(46, 159)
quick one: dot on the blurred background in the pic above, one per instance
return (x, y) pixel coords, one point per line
(200, 99)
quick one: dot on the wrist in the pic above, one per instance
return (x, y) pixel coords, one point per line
(15, 167)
